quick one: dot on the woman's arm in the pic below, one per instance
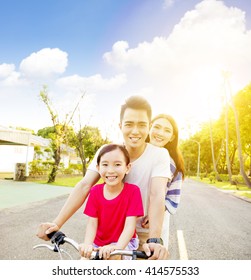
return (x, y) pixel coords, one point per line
(173, 194)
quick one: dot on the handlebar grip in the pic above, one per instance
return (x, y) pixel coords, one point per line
(96, 257)
(140, 254)
(50, 235)
(57, 237)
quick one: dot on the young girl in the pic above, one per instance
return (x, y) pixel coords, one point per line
(112, 207)
(164, 133)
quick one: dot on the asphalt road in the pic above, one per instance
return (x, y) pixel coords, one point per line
(215, 226)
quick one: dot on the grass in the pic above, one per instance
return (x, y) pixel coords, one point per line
(70, 181)
(8, 175)
(248, 195)
(240, 189)
(66, 181)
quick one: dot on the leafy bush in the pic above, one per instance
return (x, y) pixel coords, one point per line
(224, 177)
(39, 167)
(238, 179)
(72, 169)
(212, 179)
(203, 175)
(68, 171)
(212, 174)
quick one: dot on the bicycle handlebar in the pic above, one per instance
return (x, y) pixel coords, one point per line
(59, 238)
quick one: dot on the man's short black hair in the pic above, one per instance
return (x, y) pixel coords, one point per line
(136, 102)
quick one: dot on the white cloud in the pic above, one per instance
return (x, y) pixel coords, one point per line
(93, 83)
(97, 89)
(179, 74)
(6, 70)
(185, 68)
(168, 3)
(44, 63)
(119, 55)
(212, 33)
(9, 77)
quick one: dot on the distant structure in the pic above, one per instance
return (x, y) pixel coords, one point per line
(17, 150)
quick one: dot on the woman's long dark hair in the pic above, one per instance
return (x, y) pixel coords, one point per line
(172, 146)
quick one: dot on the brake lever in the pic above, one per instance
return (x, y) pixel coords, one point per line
(51, 248)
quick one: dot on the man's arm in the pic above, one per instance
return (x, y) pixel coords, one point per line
(156, 206)
(156, 211)
(73, 203)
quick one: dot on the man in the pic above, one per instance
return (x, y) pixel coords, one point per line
(150, 171)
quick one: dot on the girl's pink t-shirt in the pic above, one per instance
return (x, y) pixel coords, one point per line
(112, 213)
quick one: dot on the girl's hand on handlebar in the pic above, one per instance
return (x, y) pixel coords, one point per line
(46, 228)
(105, 251)
(85, 250)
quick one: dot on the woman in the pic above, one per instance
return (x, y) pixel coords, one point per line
(164, 133)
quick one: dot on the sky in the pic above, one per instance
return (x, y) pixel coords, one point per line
(172, 52)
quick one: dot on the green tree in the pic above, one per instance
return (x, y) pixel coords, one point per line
(212, 150)
(190, 154)
(238, 134)
(238, 119)
(59, 132)
(87, 141)
(242, 102)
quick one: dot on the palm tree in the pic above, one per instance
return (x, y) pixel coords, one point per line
(226, 130)
(212, 151)
(237, 126)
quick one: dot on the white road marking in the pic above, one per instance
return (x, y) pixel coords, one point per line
(182, 245)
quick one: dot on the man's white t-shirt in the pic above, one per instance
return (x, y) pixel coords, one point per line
(154, 162)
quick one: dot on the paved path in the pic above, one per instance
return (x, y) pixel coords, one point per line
(23, 205)
(13, 193)
(215, 225)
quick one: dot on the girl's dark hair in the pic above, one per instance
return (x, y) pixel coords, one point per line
(138, 103)
(172, 146)
(111, 147)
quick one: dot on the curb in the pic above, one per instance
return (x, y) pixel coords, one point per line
(241, 197)
(230, 193)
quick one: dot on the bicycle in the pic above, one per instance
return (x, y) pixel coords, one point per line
(58, 238)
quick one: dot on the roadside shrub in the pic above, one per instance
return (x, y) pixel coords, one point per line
(212, 173)
(203, 175)
(224, 177)
(238, 179)
(189, 173)
(73, 169)
(38, 167)
(211, 179)
(68, 171)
